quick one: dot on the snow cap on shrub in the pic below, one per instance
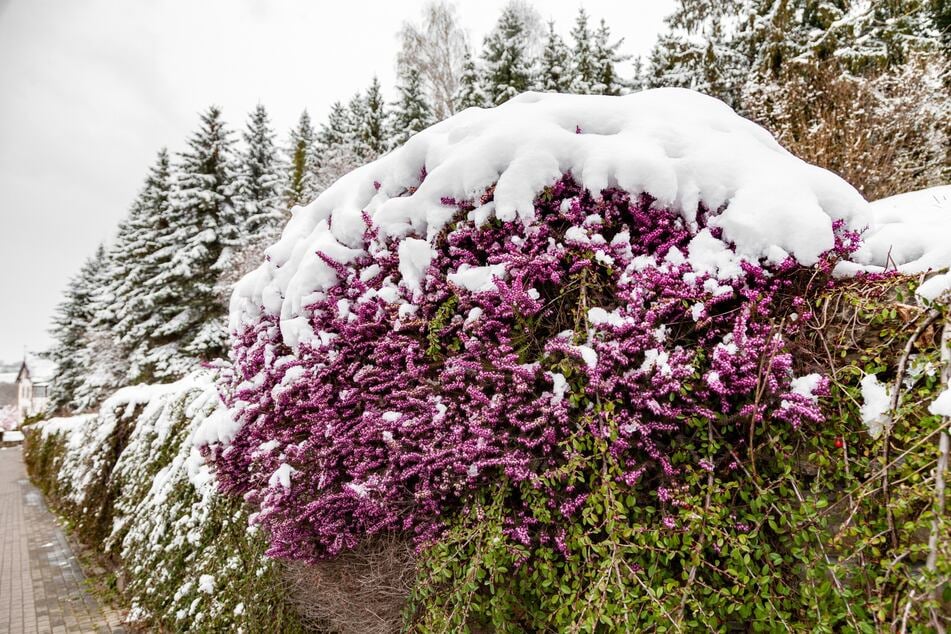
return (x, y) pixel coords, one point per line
(681, 147)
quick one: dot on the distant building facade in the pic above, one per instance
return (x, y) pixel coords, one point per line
(32, 384)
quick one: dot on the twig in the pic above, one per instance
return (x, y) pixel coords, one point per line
(932, 316)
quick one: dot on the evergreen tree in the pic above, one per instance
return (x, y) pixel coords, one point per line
(708, 47)
(72, 322)
(507, 53)
(137, 260)
(606, 58)
(302, 158)
(584, 69)
(373, 133)
(356, 115)
(205, 230)
(411, 113)
(470, 86)
(554, 72)
(336, 154)
(259, 179)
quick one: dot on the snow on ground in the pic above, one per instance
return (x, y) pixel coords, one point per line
(679, 146)
(12, 436)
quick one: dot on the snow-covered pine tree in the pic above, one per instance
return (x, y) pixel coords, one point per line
(72, 323)
(606, 59)
(373, 132)
(584, 70)
(136, 260)
(508, 52)
(356, 116)
(437, 49)
(554, 66)
(334, 148)
(303, 165)
(707, 47)
(470, 86)
(205, 229)
(411, 113)
(258, 198)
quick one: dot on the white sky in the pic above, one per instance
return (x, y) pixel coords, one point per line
(90, 89)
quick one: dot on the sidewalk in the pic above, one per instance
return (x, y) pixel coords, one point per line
(41, 584)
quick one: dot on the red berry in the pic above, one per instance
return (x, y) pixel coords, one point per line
(838, 443)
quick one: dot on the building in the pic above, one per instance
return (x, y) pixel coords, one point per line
(32, 383)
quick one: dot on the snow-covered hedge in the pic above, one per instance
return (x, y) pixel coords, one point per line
(135, 485)
(557, 344)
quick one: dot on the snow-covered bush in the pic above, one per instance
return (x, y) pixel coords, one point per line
(555, 344)
(132, 480)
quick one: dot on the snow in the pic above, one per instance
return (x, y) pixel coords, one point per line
(806, 386)
(708, 255)
(936, 287)
(415, 256)
(876, 401)
(206, 584)
(681, 147)
(911, 232)
(598, 316)
(282, 476)
(12, 436)
(559, 386)
(41, 369)
(473, 316)
(588, 355)
(659, 360)
(477, 278)
(61, 425)
(941, 406)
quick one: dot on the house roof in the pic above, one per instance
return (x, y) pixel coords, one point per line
(38, 369)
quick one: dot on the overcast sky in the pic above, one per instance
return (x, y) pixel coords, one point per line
(90, 89)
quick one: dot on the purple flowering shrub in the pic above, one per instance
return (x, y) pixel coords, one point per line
(595, 331)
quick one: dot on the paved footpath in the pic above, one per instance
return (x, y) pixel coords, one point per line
(42, 587)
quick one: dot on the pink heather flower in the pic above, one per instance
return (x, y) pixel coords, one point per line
(392, 418)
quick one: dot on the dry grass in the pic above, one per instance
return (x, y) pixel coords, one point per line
(359, 592)
(885, 134)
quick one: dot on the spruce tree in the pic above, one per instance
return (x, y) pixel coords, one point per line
(356, 116)
(137, 260)
(411, 113)
(302, 159)
(584, 70)
(72, 322)
(554, 71)
(606, 59)
(334, 148)
(470, 86)
(708, 47)
(259, 180)
(507, 54)
(373, 133)
(205, 229)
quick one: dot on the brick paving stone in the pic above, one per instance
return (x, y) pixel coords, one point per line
(42, 587)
